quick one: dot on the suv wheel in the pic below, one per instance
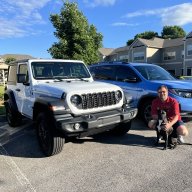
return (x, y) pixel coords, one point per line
(121, 129)
(145, 111)
(13, 118)
(50, 142)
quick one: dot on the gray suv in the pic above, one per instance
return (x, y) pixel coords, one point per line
(140, 82)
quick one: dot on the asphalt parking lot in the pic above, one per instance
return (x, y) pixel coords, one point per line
(102, 163)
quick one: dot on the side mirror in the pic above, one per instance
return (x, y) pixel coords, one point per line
(131, 79)
(22, 78)
(93, 75)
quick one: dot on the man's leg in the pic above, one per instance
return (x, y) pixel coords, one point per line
(181, 131)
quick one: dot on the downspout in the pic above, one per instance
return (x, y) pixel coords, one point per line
(184, 67)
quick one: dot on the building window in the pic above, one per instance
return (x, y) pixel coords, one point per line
(123, 58)
(181, 71)
(169, 55)
(189, 49)
(189, 71)
(182, 54)
(138, 56)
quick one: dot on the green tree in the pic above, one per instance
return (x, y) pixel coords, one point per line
(9, 59)
(144, 35)
(76, 38)
(172, 32)
(130, 41)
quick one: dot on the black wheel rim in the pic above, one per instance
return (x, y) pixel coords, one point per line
(44, 137)
(9, 115)
(147, 113)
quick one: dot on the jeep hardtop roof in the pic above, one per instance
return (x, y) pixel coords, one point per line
(44, 60)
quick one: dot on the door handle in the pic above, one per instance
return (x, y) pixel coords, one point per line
(18, 90)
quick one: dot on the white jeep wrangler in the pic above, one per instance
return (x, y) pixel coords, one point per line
(64, 101)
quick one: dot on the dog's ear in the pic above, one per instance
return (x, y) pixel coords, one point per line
(163, 114)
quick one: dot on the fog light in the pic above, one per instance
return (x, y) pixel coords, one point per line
(76, 126)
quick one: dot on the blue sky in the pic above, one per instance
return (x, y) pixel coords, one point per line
(25, 27)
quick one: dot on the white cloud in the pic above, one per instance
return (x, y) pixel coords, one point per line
(95, 3)
(10, 29)
(175, 15)
(16, 17)
(123, 24)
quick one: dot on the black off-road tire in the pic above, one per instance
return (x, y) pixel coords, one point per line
(14, 118)
(50, 141)
(121, 129)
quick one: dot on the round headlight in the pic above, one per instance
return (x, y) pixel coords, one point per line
(76, 100)
(118, 95)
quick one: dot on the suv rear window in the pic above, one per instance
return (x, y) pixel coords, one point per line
(103, 72)
(113, 72)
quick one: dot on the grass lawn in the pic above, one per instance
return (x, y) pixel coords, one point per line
(2, 108)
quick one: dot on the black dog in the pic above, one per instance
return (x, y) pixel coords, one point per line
(167, 136)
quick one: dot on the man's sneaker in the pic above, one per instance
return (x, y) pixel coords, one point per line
(180, 139)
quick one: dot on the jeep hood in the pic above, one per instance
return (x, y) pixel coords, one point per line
(73, 87)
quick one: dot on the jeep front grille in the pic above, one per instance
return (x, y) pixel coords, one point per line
(94, 100)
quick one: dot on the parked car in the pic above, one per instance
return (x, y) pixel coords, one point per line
(185, 78)
(140, 82)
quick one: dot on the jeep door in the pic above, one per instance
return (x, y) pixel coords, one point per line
(23, 92)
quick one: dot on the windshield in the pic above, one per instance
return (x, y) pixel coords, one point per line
(154, 73)
(59, 70)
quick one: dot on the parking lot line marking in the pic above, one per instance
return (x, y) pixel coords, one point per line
(15, 169)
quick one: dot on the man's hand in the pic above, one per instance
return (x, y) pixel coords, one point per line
(165, 127)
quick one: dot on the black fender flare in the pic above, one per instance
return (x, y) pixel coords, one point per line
(45, 104)
(9, 100)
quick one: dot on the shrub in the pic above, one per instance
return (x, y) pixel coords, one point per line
(1, 92)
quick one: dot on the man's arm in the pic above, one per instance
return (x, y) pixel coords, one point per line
(170, 123)
(174, 119)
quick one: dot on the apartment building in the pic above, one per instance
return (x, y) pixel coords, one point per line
(175, 55)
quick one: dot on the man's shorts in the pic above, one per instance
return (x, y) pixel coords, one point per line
(177, 124)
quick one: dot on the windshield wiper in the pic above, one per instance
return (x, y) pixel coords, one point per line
(62, 78)
(79, 78)
(57, 79)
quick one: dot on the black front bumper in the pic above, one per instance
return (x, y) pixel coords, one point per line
(94, 123)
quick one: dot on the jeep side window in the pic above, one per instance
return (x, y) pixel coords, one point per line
(23, 70)
(105, 72)
(12, 77)
(124, 73)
